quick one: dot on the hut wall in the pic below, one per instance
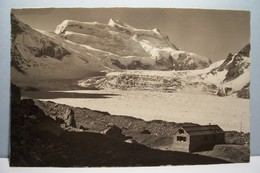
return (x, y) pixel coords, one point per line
(181, 141)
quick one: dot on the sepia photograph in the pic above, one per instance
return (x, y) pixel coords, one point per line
(129, 87)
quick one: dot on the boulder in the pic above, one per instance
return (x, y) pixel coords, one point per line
(224, 91)
(68, 118)
(131, 141)
(114, 132)
(145, 132)
(83, 128)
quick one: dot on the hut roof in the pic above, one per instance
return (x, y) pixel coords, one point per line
(203, 130)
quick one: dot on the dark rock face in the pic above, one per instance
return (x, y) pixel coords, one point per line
(236, 68)
(245, 51)
(51, 49)
(138, 65)
(16, 60)
(228, 59)
(16, 28)
(36, 44)
(221, 93)
(133, 65)
(48, 48)
(117, 63)
(167, 63)
(235, 64)
(15, 94)
(244, 92)
(186, 61)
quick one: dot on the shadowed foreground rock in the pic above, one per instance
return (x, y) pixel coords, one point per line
(15, 94)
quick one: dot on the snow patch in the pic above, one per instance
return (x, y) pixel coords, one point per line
(156, 31)
(112, 23)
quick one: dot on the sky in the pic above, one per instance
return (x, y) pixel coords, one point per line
(210, 33)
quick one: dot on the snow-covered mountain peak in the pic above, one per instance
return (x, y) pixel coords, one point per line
(90, 47)
(147, 47)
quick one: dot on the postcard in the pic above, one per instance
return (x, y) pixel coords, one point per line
(129, 87)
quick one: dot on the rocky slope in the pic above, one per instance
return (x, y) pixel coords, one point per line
(222, 78)
(36, 56)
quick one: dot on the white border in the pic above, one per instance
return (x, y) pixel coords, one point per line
(252, 167)
(250, 5)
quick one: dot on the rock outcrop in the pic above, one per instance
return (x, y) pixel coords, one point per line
(68, 118)
(244, 92)
(114, 132)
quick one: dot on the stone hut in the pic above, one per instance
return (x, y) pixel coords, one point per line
(197, 138)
